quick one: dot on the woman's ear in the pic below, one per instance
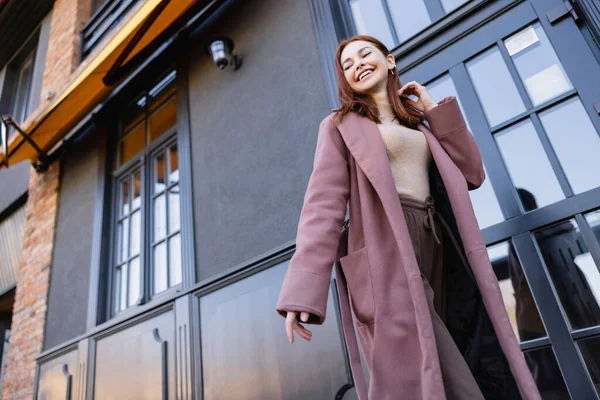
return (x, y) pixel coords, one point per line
(391, 61)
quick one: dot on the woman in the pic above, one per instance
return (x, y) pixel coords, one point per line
(412, 265)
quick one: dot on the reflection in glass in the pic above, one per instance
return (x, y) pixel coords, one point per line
(370, 19)
(593, 220)
(573, 271)
(575, 142)
(544, 368)
(121, 292)
(162, 90)
(162, 119)
(136, 234)
(499, 96)
(485, 203)
(134, 280)
(159, 173)
(123, 239)
(160, 218)
(409, 17)
(537, 64)
(124, 197)
(175, 260)
(160, 267)
(518, 301)
(133, 143)
(174, 213)
(527, 163)
(450, 5)
(173, 164)
(590, 350)
(137, 190)
(245, 360)
(133, 113)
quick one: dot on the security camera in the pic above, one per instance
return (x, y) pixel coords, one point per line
(221, 51)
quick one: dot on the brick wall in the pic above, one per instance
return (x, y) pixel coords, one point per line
(31, 298)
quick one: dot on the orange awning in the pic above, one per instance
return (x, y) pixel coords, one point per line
(88, 88)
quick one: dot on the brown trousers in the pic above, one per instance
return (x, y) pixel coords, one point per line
(426, 228)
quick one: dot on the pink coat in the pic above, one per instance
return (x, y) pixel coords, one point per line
(375, 262)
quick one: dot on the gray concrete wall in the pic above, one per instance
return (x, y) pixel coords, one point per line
(253, 131)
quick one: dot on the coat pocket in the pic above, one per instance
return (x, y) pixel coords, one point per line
(357, 271)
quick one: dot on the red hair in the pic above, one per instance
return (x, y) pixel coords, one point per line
(363, 103)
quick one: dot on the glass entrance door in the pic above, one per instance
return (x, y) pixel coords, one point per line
(527, 81)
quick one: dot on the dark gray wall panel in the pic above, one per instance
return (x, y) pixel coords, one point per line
(253, 131)
(69, 281)
(14, 183)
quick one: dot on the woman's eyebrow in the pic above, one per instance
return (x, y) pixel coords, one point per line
(359, 50)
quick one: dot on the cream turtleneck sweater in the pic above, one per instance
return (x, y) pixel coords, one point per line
(408, 154)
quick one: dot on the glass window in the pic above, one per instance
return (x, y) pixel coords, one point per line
(573, 271)
(370, 19)
(156, 238)
(499, 96)
(485, 203)
(537, 64)
(575, 142)
(531, 173)
(451, 5)
(544, 368)
(518, 300)
(409, 17)
(590, 350)
(244, 346)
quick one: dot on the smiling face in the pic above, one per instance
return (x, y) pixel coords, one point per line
(365, 67)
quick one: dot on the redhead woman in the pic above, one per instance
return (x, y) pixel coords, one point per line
(412, 269)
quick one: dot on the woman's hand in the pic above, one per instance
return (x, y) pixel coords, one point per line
(291, 325)
(425, 101)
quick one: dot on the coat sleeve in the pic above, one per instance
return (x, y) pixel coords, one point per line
(306, 284)
(449, 127)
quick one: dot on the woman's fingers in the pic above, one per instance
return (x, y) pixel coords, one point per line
(302, 331)
(304, 316)
(291, 325)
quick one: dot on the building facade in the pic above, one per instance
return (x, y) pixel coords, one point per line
(149, 199)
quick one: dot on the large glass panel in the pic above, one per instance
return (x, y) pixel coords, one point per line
(573, 272)
(370, 19)
(575, 142)
(159, 173)
(162, 119)
(160, 217)
(175, 260)
(590, 350)
(134, 281)
(162, 90)
(244, 347)
(409, 17)
(537, 64)
(136, 234)
(518, 300)
(528, 166)
(485, 203)
(133, 143)
(451, 5)
(160, 267)
(133, 113)
(499, 96)
(174, 214)
(544, 368)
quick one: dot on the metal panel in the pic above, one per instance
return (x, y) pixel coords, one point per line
(11, 240)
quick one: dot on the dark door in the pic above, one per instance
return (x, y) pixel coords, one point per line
(526, 74)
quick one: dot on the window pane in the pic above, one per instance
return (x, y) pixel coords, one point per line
(137, 190)
(174, 214)
(406, 26)
(485, 203)
(499, 96)
(173, 164)
(160, 267)
(537, 64)
(530, 170)
(370, 19)
(162, 90)
(133, 143)
(576, 143)
(123, 239)
(160, 218)
(121, 286)
(21, 101)
(590, 350)
(134, 281)
(175, 260)
(162, 119)
(593, 220)
(518, 301)
(133, 113)
(124, 197)
(544, 368)
(450, 5)
(136, 234)
(573, 272)
(159, 173)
